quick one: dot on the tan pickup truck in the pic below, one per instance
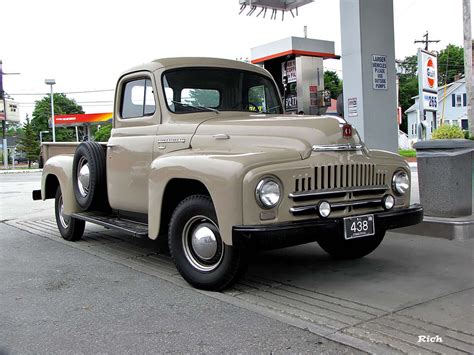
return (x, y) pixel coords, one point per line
(202, 154)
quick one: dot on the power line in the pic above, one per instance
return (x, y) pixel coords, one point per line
(64, 92)
(77, 102)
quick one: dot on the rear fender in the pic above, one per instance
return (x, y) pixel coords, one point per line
(60, 166)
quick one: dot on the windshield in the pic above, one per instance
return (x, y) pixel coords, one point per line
(215, 89)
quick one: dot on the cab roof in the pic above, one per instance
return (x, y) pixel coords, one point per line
(181, 62)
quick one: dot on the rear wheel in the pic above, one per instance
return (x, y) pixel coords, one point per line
(70, 228)
(340, 248)
(197, 249)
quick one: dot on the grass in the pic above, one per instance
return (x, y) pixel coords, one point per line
(407, 153)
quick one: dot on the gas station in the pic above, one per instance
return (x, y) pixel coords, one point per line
(84, 121)
(297, 67)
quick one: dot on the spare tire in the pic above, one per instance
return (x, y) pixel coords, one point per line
(89, 176)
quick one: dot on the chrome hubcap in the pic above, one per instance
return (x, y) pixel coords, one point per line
(63, 219)
(83, 177)
(202, 243)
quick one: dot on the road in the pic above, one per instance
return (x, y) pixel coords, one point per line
(110, 292)
(59, 299)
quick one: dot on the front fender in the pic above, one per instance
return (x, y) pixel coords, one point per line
(221, 173)
(61, 167)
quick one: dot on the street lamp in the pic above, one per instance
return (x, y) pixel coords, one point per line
(41, 135)
(51, 82)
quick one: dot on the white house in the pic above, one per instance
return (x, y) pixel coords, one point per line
(452, 108)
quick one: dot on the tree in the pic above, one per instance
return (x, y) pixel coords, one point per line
(103, 134)
(332, 83)
(28, 143)
(452, 55)
(450, 63)
(42, 113)
(408, 88)
(409, 65)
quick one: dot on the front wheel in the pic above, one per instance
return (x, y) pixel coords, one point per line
(197, 249)
(70, 228)
(340, 248)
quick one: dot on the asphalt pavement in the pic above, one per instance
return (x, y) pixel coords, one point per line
(55, 298)
(110, 293)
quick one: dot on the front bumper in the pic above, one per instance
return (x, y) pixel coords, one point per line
(281, 235)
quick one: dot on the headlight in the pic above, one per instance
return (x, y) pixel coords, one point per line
(400, 182)
(268, 193)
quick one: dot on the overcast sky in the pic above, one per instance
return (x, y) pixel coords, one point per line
(86, 44)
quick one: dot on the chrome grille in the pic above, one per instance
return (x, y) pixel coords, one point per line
(341, 176)
(347, 188)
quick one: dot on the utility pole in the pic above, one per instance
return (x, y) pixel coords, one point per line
(468, 62)
(426, 41)
(4, 120)
(4, 116)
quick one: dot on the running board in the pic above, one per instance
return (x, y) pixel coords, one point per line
(136, 229)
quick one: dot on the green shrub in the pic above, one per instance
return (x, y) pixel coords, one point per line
(467, 135)
(103, 134)
(448, 132)
(407, 153)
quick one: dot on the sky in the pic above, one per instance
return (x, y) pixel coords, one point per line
(85, 45)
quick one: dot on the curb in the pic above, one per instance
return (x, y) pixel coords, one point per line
(20, 171)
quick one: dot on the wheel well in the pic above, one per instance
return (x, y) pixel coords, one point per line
(176, 191)
(51, 185)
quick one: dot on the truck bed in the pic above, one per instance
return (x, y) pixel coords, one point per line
(50, 149)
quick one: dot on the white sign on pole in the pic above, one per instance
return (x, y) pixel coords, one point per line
(430, 101)
(379, 72)
(13, 111)
(290, 71)
(428, 80)
(428, 68)
(352, 106)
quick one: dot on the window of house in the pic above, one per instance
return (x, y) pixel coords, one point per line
(138, 99)
(458, 100)
(464, 124)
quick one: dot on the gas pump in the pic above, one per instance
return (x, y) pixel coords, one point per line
(296, 64)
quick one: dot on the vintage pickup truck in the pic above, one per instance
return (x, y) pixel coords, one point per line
(202, 154)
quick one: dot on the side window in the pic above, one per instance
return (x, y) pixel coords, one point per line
(138, 99)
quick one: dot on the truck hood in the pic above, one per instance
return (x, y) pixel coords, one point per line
(241, 132)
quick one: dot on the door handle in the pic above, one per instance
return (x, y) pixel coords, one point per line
(111, 145)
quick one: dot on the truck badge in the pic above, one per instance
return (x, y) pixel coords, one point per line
(346, 131)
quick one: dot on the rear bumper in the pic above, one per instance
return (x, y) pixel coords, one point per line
(280, 235)
(36, 195)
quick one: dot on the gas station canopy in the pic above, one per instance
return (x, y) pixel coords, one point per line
(296, 46)
(83, 119)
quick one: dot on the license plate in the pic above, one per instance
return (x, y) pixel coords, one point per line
(360, 226)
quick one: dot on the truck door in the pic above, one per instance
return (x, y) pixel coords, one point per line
(130, 147)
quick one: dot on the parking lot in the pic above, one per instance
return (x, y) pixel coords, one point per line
(409, 287)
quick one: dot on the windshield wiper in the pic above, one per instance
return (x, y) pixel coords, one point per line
(201, 108)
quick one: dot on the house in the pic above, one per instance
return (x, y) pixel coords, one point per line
(452, 108)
